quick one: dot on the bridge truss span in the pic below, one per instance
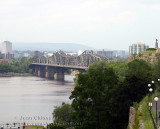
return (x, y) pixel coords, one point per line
(83, 60)
(54, 67)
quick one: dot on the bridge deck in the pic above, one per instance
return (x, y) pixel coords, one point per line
(60, 66)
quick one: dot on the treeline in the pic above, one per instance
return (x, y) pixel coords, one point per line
(103, 94)
(17, 66)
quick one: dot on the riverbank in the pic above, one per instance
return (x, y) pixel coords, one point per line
(15, 74)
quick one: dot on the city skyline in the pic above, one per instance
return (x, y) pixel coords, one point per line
(112, 24)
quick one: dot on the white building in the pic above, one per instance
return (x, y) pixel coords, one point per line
(7, 47)
(7, 50)
(137, 47)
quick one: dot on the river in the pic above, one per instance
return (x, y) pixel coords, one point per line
(32, 99)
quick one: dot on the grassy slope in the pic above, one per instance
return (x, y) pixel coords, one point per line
(147, 121)
(144, 114)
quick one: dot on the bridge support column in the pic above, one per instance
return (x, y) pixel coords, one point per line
(41, 71)
(36, 69)
(59, 75)
(50, 71)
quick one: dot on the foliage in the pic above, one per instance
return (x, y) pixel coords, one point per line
(101, 101)
(17, 66)
(55, 126)
(138, 77)
(137, 119)
(139, 65)
(144, 115)
(140, 54)
(1, 57)
(132, 89)
(5, 68)
(91, 96)
(151, 49)
(120, 60)
(135, 105)
(136, 84)
(156, 68)
(62, 114)
(119, 68)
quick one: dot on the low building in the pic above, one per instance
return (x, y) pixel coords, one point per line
(108, 53)
(36, 53)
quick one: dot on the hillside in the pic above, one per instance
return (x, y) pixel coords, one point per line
(51, 47)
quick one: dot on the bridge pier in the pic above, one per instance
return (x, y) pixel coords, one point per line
(59, 74)
(53, 72)
(41, 71)
(36, 69)
(50, 73)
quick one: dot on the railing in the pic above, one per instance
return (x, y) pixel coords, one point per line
(18, 126)
(12, 126)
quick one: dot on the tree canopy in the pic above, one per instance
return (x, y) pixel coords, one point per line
(17, 66)
(101, 100)
(91, 96)
(62, 114)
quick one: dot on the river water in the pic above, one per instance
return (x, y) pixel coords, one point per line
(32, 99)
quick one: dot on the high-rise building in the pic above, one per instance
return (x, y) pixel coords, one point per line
(6, 47)
(7, 50)
(137, 47)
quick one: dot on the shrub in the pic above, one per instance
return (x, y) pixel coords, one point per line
(151, 49)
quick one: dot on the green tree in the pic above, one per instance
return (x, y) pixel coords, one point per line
(120, 68)
(140, 74)
(62, 114)
(34, 59)
(5, 68)
(132, 89)
(1, 57)
(156, 68)
(137, 85)
(91, 97)
(139, 65)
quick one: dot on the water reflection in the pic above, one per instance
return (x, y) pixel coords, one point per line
(31, 96)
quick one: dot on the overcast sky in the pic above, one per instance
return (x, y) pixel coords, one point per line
(112, 24)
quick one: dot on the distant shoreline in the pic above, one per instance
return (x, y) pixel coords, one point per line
(15, 75)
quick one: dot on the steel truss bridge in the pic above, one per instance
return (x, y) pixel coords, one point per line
(53, 67)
